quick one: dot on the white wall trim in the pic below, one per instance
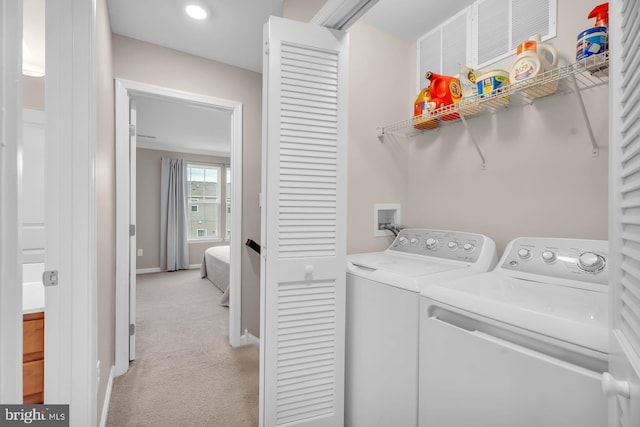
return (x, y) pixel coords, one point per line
(71, 309)
(10, 215)
(157, 269)
(148, 270)
(107, 398)
(125, 89)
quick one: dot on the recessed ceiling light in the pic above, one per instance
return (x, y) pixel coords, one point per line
(196, 11)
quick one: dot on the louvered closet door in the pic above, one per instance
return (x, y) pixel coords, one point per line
(624, 216)
(303, 225)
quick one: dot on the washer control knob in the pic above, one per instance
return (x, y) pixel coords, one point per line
(432, 243)
(414, 241)
(403, 240)
(452, 245)
(469, 247)
(524, 253)
(591, 262)
(548, 256)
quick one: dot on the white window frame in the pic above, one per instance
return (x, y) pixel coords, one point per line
(202, 201)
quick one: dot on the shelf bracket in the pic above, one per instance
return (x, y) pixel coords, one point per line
(595, 150)
(475, 143)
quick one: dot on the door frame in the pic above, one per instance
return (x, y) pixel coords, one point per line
(10, 217)
(124, 90)
(71, 227)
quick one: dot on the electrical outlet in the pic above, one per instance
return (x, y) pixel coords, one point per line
(140, 252)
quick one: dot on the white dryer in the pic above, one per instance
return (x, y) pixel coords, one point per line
(523, 345)
(383, 316)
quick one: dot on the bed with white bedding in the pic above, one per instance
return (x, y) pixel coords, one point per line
(215, 267)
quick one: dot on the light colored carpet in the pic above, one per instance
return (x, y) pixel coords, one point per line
(185, 372)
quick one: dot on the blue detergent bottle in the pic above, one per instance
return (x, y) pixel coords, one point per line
(594, 41)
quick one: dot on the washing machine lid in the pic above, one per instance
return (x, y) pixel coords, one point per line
(406, 271)
(576, 316)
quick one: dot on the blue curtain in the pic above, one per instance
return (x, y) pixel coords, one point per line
(174, 232)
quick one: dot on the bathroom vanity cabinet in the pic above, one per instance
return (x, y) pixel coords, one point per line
(33, 358)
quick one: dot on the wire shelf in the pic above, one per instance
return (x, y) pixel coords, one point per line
(588, 73)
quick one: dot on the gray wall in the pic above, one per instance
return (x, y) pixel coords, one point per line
(148, 63)
(105, 199)
(148, 164)
(540, 178)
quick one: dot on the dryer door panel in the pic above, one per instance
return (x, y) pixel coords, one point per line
(468, 378)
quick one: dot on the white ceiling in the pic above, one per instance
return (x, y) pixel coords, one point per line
(409, 20)
(164, 124)
(232, 35)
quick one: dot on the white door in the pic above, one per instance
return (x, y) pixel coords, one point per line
(623, 384)
(132, 227)
(303, 268)
(10, 258)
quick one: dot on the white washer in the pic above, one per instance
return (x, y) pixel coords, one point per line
(383, 316)
(523, 345)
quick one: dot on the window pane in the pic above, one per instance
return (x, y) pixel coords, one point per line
(204, 209)
(211, 175)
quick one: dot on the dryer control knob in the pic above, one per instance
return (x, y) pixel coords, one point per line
(469, 247)
(414, 241)
(403, 240)
(452, 245)
(548, 256)
(524, 253)
(432, 243)
(591, 262)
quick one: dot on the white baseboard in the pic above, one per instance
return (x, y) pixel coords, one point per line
(107, 398)
(249, 339)
(148, 270)
(157, 269)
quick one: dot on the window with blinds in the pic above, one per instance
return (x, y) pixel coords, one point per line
(484, 33)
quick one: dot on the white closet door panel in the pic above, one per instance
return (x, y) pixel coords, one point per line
(456, 44)
(529, 17)
(491, 29)
(303, 225)
(624, 217)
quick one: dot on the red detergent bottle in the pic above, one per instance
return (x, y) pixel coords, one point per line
(444, 90)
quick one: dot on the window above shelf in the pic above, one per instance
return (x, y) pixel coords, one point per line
(588, 73)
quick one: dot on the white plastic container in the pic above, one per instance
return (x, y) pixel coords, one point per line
(533, 60)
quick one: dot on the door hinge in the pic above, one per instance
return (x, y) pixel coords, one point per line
(132, 229)
(50, 278)
(132, 329)
(132, 130)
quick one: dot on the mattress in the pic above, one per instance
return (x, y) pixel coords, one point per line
(215, 267)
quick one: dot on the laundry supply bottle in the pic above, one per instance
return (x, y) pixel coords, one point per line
(422, 109)
(593, 41)
(533, 60)
(444, 90)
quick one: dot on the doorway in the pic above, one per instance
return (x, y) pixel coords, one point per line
(126, 91)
